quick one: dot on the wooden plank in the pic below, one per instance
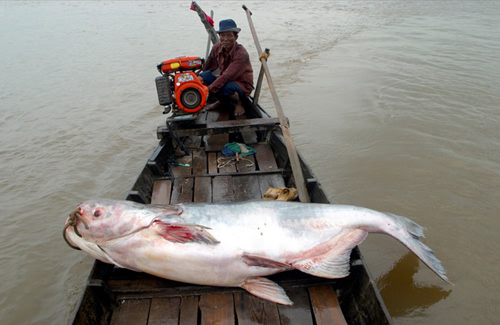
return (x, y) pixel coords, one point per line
(270, 180)
(220, 126)
(217, 141)
(156, 153)
(132, 312)
(212, 162)
(201, 119)
(189, 310)
(249, 136)
(326, 306)
(223, 124)
(217, 115)
(254, 310)
(161, 191)
(300, 312)
(182, 190)
(161, 288)
(277, 172)
(164, 311)
(229, 168)
(202, 189)
(246, 188)
(217, 309)
(181, 170)
(247, 164)
(222, 187)
(192, 142)
(206, 132)
(165, 289)
(199, 162)
(265, 157)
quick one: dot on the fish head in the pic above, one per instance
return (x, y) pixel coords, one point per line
(99, 221)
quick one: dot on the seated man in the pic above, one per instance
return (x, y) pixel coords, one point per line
(235, 82)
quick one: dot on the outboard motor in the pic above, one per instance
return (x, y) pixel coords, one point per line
(179, 87)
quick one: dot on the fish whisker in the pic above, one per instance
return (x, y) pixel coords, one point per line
(73, 222)
(66, 238)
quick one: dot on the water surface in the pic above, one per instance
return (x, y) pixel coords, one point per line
(393, 103)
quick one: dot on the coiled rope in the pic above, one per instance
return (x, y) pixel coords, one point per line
(231, 161)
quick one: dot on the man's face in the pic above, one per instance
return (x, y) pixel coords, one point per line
(228, 40)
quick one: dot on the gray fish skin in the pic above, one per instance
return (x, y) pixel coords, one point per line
(237, 244)
(317, 219)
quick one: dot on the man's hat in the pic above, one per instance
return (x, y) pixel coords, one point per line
(228, 25)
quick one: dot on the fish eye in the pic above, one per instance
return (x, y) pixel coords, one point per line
(97, 213)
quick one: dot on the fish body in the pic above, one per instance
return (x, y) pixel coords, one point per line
(236, 244)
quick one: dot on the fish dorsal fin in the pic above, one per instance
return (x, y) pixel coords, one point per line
(334, 263)
(266, 289)
(165, 210)
(184, 233)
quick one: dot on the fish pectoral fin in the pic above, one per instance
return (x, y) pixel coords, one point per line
(184, 233)
(335, 262)
(115, 262)
(260, 261)
(266, 289)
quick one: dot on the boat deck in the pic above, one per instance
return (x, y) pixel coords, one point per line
(150, 300)
(204, 181)
(175, 303)
(119, 296)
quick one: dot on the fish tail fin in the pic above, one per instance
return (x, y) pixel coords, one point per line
(409, 233)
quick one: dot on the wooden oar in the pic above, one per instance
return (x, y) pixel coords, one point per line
(285, 127)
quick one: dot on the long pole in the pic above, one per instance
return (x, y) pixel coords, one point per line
(209, 37)
(285, 127)
(210, 29)
(256, 93)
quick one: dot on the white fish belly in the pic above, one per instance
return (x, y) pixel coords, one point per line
(220, 264)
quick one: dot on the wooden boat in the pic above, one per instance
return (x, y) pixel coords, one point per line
(187, 166)
(114, 296)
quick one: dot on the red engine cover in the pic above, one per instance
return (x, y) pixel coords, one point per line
(182, 63)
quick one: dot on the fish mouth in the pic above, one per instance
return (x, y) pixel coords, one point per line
(73, 222)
